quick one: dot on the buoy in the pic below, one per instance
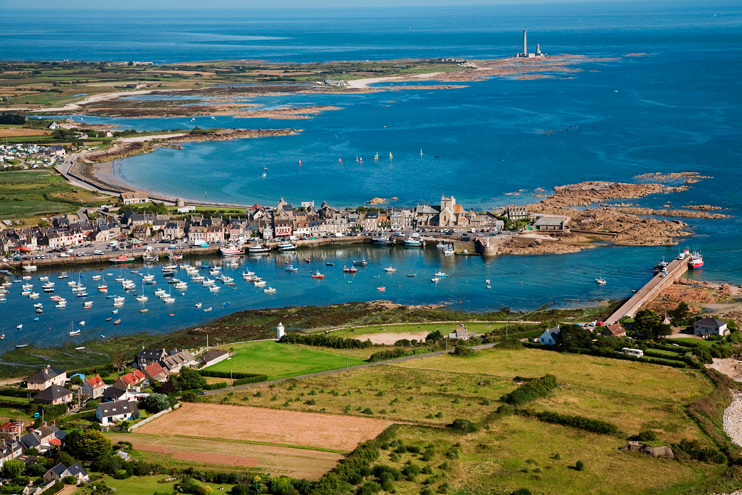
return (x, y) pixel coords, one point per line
(340, 160)
(300, 163)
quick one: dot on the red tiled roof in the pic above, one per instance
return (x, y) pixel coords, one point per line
(95, 382)
(133, 378)
(155, 369)
(55, 441)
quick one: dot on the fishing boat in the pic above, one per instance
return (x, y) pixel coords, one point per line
(148, 278)
(118, 299)
(216, 288)
(291, 268)
(329, 263)
(600, 280)
(258, 283)
(35, 295)
(44, 278)
(449, 250)
(231, 250)
(382, 289)
(87, 304)
(30, 268)
(207, 310)
(270, 290)
(380, 240)
(696, 261)
(362, 262)
(258, 248)
(198, 305)
(117, 322)
(208, 282)
(170, 268)
(144, 310)
(318, 275)
(390, 269)
(141, 298)
(41, 305)
(413, 242)
(168, 299)
(181, 286)
(82, 294)
(122, 259)
(160, 293)
(440, 274)
(61, 304)
(286, 246)
(350, 270)
(26, 277)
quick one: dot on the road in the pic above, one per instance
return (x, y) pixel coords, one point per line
(341, 370)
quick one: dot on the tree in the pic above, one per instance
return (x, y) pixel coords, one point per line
(572, 337)
(282, 485)
(70, 480)
(87, 445)
(190, 379)
(13, 468)
(118, 359)
(76, 380)
(64, 458)
(579, 465)
(156, 403)
(434, 336)
(645, 322)
(681, 313)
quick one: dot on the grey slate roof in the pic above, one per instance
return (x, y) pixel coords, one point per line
(711, 322)
(45, 374)
(51, 394)
(109, 409)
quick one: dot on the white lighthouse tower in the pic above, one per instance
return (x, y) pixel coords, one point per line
(280, 331)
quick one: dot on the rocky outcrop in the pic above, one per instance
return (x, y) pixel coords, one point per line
(663, 451)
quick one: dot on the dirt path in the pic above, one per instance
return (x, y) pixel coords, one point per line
(391, 338)
(232, 460)
(141, 139)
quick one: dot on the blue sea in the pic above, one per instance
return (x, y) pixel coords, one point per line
(658, 91)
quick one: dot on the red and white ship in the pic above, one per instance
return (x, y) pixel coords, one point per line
(231, 250)
(696, 261)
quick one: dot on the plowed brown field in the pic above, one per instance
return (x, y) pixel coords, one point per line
(326, 431)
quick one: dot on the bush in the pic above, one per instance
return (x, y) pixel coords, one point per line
(531, 390)
(694, 450)
(155, 403)
(321, 340)
(580, 466)
(510, 345)
(460, 350)
(587, 424)
(645, 436)
(463, 426)
(190, 379)
(13, 468)
(521, 491)
(70, 480)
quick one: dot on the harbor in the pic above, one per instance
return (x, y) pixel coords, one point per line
(350, 273)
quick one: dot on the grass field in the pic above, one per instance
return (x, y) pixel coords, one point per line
(281, 360)
(444, 328)
(28, 194)
(147, 485)
(521, 453)
(437, 390)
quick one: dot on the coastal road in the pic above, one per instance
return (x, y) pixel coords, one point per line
(341, 370)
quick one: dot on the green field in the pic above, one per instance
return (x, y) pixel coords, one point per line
(29, 193)
(444, 328)
(146, 485)
(281, 360)
(510, 451)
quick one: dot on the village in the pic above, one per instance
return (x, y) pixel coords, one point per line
(133, 222)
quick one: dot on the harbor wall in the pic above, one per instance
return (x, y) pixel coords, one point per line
(650, 291)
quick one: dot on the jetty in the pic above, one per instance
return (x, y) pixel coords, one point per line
(650, 291)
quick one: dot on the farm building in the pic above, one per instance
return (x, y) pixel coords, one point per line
(710, 326)
(54, 395)
(45, 378)
(114, 412)
(93, 387)
(615, 330)
(213, 356)
(549, 337)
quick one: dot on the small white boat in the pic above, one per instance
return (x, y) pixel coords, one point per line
(168, 299)
(38, 305)
(20, 327)
(39, 310)
(270, 290)
(75, 332)
(29, 268)
(82, 323)
(115, 312)
(390, 269)
(435, 280)
(61, 304)
(141, 298)
(207, 309)
(88, 304)
(95, 277)
(216, 288)
(198, 305)
(208, 282)
(487, 281)
(81, 348)
(33, 295)
(44, 279)
(440, 274)
(181, 286)
(600, 281)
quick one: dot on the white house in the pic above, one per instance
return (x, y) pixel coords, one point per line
(710, 326)
(549, 337)
(115, 412)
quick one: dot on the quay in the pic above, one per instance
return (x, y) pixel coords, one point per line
(650, 291)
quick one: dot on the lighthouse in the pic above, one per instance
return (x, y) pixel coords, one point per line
(525, 48)
(280, 331)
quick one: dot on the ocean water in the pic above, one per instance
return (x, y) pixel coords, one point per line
(676, 108)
